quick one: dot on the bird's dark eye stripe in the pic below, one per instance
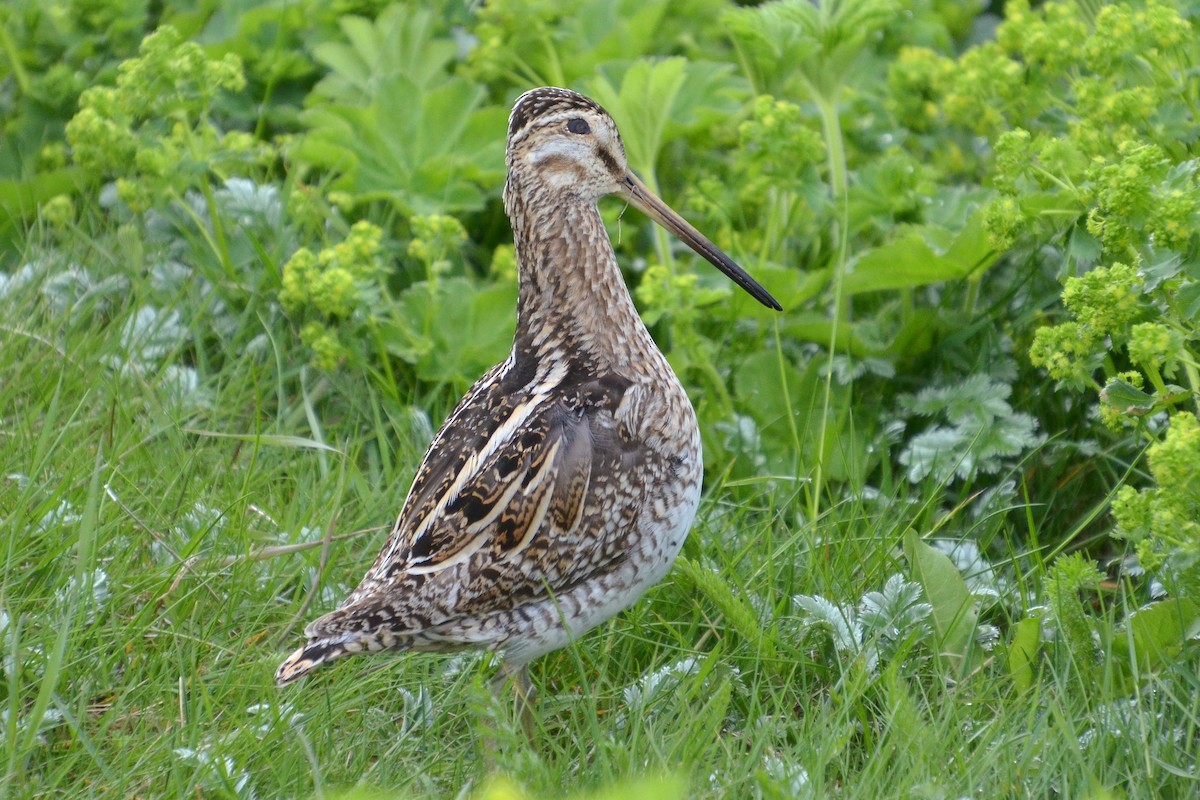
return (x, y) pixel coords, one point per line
(578, 125)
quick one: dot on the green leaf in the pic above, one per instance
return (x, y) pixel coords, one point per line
(427, 152)
(923, 255)
(788, 406)
(19, 199)
(954, 614)
(1187, 296)
(819, 43)
(558, 44)
(660, 100)
(1160, 630)
(400, 42)
(1022, 652)
(453, 332)
(267, 439)
(1125, 398)
(844, 337)
(770, 43)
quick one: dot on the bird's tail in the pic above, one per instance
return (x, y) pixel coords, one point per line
(312, 655)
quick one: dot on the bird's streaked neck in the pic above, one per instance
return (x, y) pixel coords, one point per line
(570, 288)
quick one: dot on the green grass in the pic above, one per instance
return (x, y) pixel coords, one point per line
(157, 681)
(907, 577)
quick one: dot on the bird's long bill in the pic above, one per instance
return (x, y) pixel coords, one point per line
(636, 192)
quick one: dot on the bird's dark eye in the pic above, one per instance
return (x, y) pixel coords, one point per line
(578, 125)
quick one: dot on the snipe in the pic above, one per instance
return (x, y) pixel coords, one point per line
(564, 483)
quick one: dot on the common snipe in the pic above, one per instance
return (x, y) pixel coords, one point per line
(564, 483)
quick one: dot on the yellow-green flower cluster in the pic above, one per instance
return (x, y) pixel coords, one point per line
(1125, 34)
(1106, 299)
(334, 290)
(1124, 193)
(1114, 417)
(1088, 111)
(1044, 40)
(1155, 348)
(777, 140)
(1004, 222)
(436, 237)
(332, 281)
(916, 83)
(58, 211)
(985, 85)
(1104, 302)
(504, 263)
(1067, 352)
(1166, 518)
(327, 349)
(151, 130)
(678, 295)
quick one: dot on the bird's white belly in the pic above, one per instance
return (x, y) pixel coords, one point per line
(587, 605)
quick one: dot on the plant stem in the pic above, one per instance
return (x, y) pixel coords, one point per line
(827, 105)
(14, 60)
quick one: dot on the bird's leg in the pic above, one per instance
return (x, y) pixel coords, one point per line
(524, 693)
(522, 705)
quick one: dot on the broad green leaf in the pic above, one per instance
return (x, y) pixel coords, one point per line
(790, 286)
(771, 398)
(660, 100)
(423, 150)
(922, 256)
(1188, 298)
(770, 43)
(954, 614)
(558, 44)
(19, 199)
(816, 42)
(454, 332)
(1160, 630)
(401, 41)
(1125, 398)
(845, 337)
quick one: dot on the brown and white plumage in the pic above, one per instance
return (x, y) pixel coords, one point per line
(563, 484)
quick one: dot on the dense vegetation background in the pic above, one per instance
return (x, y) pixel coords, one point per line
(252, 252)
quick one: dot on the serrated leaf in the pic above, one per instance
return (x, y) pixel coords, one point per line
(770, 41)
(658, 100)
(453, 332)
(939, 450)
(1187, 296)
(788, 38)
(402, 40)
(842, 623)
(1083, 248)
(954, 615)
(420, 149)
